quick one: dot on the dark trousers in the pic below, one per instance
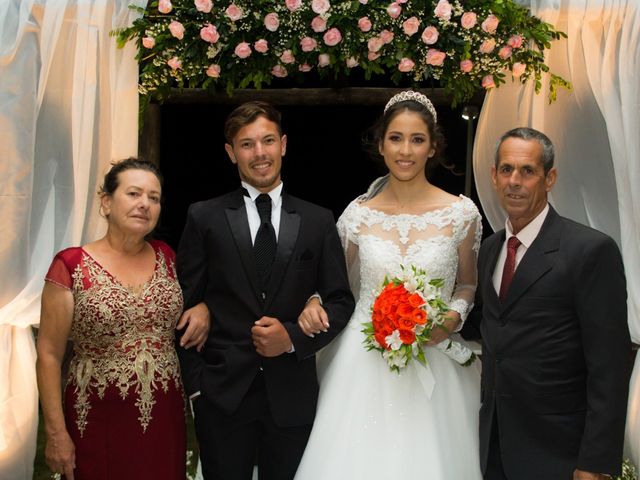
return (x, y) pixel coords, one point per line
(495, 470)
(230, 445)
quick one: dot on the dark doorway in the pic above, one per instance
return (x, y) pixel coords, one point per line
(325, 162)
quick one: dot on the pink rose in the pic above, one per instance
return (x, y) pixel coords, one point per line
(261, 46)
(148, 42)
(175, 63)
(364, 24)
(435, 57)
(176, 29)
(332, 37)
(233, 12)
(324, 60)
(271, 22)
(487, 82)
(305, 67)
(468, 20)
(293, 5)
(364, 2)
(318, 24)
(308, 44)
(443, 10)
(411, 26)
(430, 35)
(394, 10)
(488, 45)
(203, 6)
(287, 57)
(375, 44)
(406, 65)
(386, 36)
(164, 6)
(402, 1)
(505, 52)
(242, 50)
(518, 69)
(490, 23)
(373, 56)
(209, 33)
(352, 62)
(279, 71)
(515, 41)
(466, 66)
(320, 6)
(213, 71)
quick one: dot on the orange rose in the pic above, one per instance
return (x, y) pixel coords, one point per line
(419, 316)
(416, 300)
(407, 336)
(406, 323)
(404, 309)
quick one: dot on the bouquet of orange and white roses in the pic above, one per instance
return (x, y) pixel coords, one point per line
(403, 317)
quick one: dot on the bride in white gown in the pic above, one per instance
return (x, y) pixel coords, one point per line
(372, 423)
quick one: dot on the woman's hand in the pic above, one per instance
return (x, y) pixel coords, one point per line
(313, 318)
(198, 322)
(442, 332)
(60, 453)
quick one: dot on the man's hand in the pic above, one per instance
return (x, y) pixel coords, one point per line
(60, 454)
(441, 333)
(313, 318)
(198, 320)
(270, 337)
(582, 475)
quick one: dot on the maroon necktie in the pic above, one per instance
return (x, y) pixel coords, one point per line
(509, 266)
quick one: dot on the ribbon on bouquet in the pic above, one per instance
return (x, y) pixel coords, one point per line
(452, 349)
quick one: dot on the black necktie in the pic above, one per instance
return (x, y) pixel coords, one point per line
(264, 247)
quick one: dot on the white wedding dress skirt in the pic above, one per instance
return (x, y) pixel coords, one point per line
(372, 423)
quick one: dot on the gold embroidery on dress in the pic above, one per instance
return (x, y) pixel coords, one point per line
(124, 338)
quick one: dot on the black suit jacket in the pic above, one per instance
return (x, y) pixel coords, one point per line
(216, 265)
(556, 354)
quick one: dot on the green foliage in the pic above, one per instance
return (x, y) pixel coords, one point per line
(396, 48)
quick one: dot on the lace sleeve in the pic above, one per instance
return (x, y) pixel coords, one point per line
(349, 240)
(59, 273)
(467, 276)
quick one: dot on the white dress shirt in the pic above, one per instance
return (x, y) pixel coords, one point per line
(252, 211)
(526, 236)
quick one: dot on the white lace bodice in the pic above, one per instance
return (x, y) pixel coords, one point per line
(444, 242)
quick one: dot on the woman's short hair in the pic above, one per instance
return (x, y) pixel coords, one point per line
(111, 181)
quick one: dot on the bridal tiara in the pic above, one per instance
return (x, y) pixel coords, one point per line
(414, 96)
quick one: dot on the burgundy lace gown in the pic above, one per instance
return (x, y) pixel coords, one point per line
(123, 401)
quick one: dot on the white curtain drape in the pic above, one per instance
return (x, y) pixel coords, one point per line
(68, 107)
(595, 131)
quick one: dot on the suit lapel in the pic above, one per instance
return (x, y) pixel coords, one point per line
(287, 238)
(538, 260)
(493, 252)
(239, 224)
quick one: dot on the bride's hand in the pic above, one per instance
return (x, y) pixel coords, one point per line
(313, 318)
(441, 333)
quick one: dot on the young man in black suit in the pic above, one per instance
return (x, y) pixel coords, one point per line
(556, 347)
(252, 259)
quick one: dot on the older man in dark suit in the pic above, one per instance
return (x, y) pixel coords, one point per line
(554, 327)
(253, 258)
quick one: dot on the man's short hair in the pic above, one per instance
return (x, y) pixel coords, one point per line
(527, 133)
(246, 114)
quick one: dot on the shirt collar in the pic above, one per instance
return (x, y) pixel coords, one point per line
(254, 192)
(529, 233)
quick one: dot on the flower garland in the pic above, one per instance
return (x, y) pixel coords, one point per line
(465, 46)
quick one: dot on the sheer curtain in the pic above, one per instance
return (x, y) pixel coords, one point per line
(68, 107)
(595, 131)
